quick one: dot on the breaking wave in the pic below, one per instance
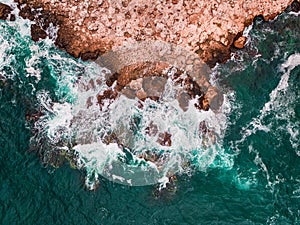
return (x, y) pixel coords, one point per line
(67, 121)
(142, 159)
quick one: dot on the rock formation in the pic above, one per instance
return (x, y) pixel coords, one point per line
(140, 42)
(124, 34)
(89, 28)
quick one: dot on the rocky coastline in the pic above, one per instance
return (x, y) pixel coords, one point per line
(130, 36)
(88, 29)
(140, 41)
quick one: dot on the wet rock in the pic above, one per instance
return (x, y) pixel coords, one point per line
(295, 6)
(89, 102)
(140, 70)
(152, 129)
(108, 96)
(136, 84)
(141, 94)
(148, 80)
(240, 42)
(149, 156)
(89, 55)
(37, 32)
(129, 93)
(5, 12)
(205, 104)
(154, 86)
(169, 190)
(183, 99)
(164, 139)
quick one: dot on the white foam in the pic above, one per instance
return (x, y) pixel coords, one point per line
(294, 13)
(247, 30)
(96, 155)
(279, 100)
(280, 107)
(22, 25)
(21, 41)
(87, 126)
(291, 62)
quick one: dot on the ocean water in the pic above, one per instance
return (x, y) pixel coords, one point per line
(248, 173)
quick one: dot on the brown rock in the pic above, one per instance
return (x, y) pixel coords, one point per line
(205, 104)
(152, 129)
(37, 32)
(135, 71)
(202, 26)
(240, 42)
(141, 94)
(164, 139)
(5, 11)
(107, 96)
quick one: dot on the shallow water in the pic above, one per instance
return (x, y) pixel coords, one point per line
(251, 177)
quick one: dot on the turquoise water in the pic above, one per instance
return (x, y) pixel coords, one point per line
(253, 179)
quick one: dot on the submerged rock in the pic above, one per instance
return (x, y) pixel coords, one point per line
(295, 6)
(148, 80)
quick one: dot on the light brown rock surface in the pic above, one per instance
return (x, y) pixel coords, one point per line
(208, 27)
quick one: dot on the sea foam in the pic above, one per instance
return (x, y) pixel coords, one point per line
(84, 128)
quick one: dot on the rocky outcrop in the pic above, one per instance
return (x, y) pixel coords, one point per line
(129, 37)
(88, 29)
(37, 32)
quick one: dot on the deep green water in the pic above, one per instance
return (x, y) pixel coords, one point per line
(262, 186)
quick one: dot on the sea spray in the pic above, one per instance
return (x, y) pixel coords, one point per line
(88, 126)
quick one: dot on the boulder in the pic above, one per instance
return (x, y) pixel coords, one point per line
(240, 42)
(37, 32)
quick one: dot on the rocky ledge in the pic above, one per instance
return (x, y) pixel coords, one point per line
(89, 28)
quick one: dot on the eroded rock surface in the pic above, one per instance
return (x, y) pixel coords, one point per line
(92, 27)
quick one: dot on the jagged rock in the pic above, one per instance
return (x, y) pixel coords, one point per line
(164, 139)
